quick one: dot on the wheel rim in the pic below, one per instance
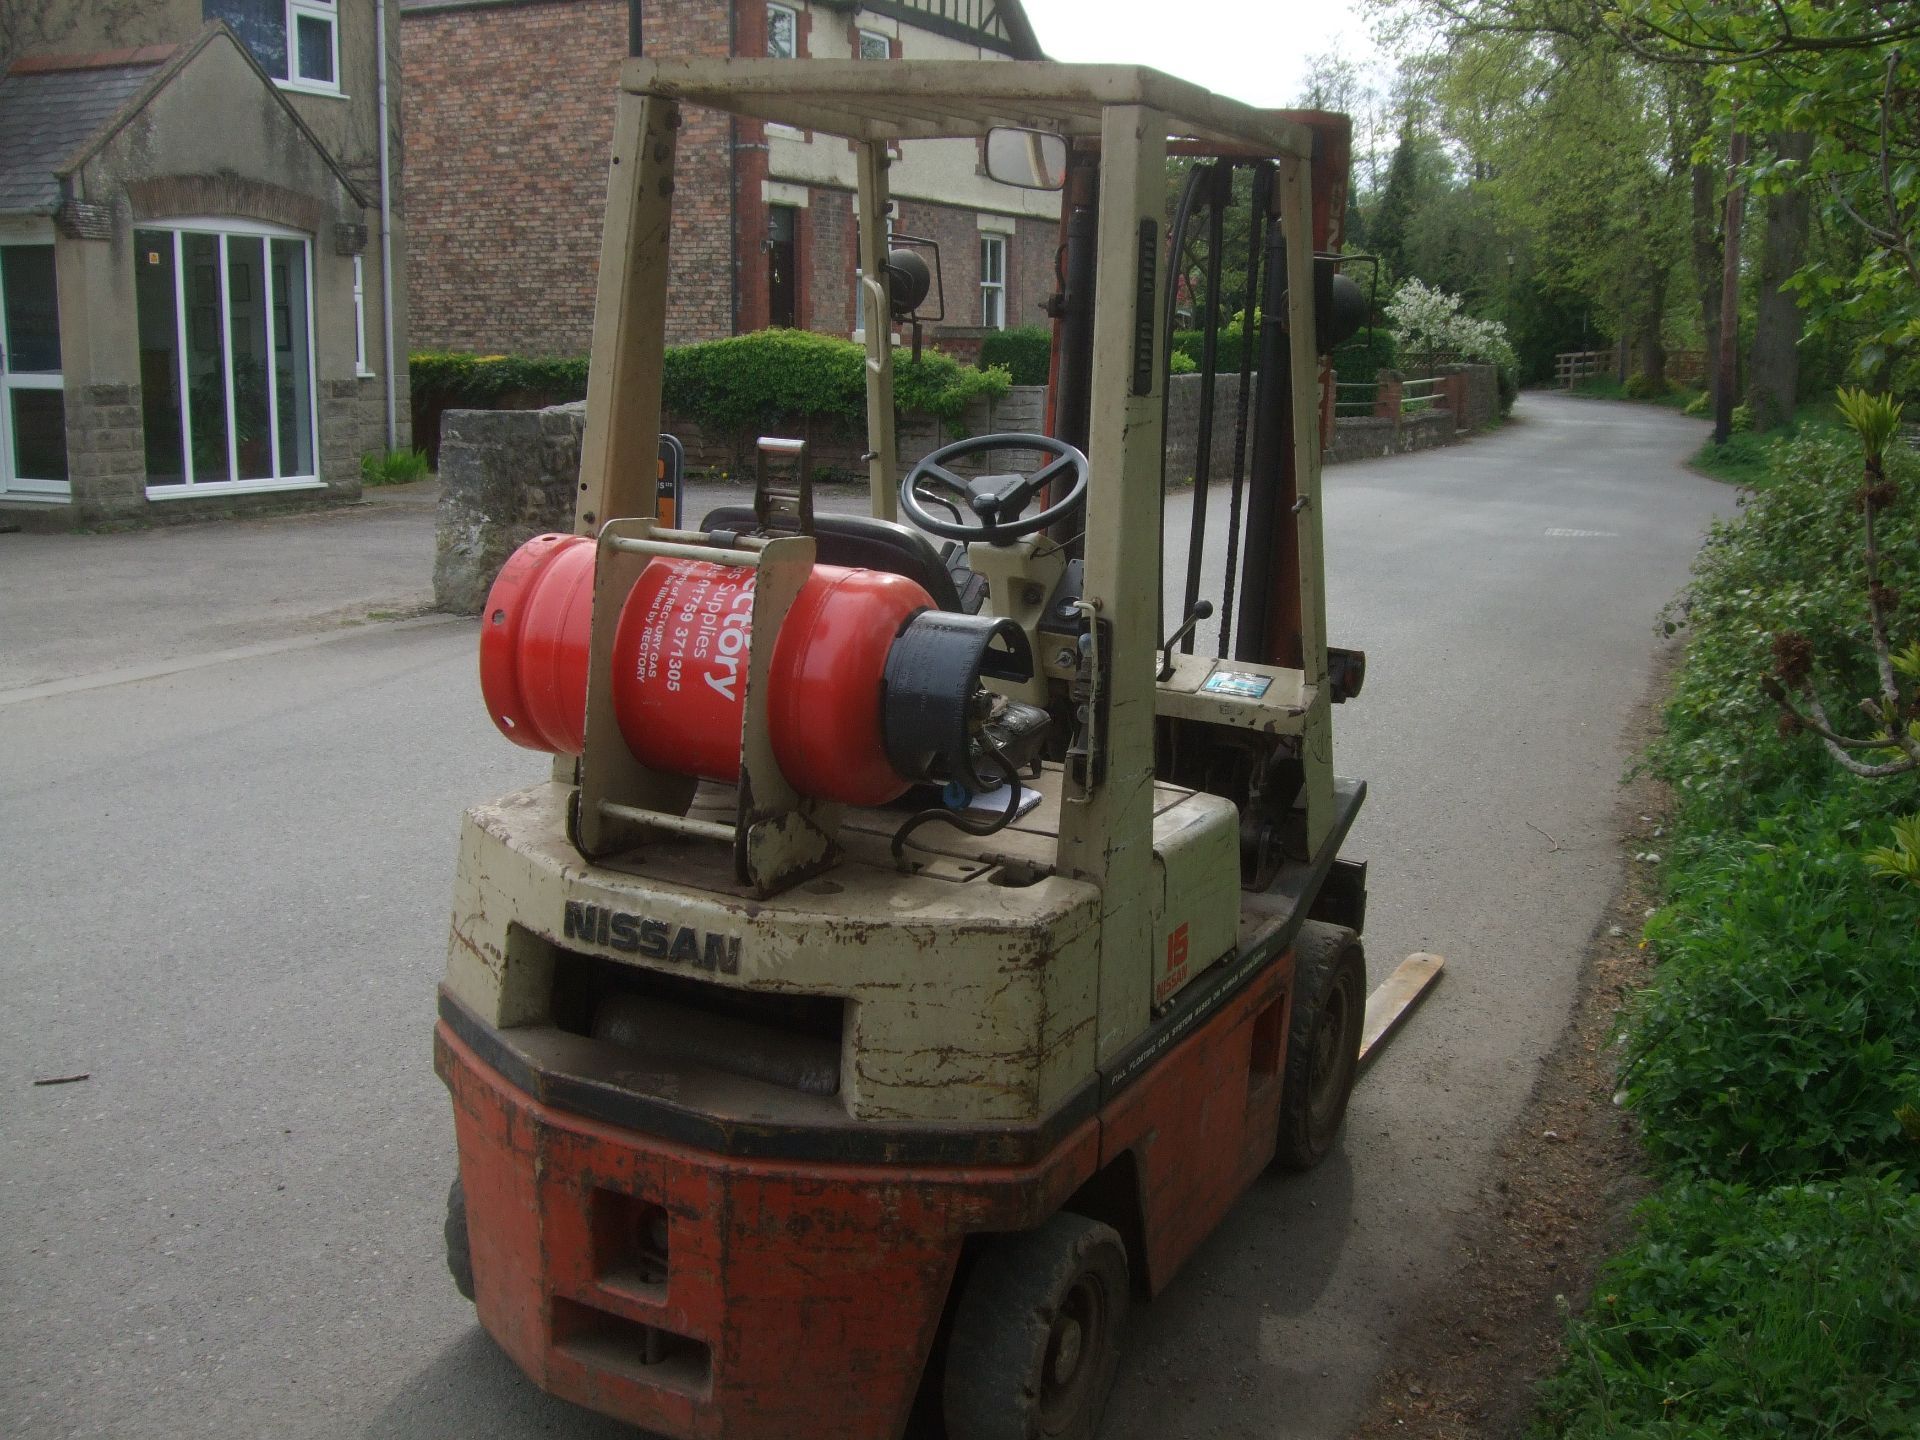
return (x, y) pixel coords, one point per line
(1332, 1058)
(1069, 1369)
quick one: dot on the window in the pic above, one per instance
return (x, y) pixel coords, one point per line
(783, 267)
(297, 42)
(33, 405)
(360, 366)
(875, 46)
(783, 32)
(993, 281)
(225, 315)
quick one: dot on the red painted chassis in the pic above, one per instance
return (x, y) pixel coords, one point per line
(802, 1297)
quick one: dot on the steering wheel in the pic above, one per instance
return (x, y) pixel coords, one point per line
(994, 500)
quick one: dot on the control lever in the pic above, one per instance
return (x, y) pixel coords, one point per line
(1202, 611)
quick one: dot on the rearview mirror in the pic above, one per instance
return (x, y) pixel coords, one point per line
(1028, 159)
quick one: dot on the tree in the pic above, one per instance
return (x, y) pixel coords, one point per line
(1388, 226)
(1585, 154)
(1844, 72)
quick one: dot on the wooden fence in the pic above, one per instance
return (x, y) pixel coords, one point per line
(1573, 366)
(1684, 367)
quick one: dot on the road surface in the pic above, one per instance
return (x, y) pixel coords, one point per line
(225, 901)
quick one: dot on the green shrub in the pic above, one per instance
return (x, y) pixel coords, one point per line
(741, 383)
(1775, 1042)
(1741, 421)
(1181, 363)
(1789, 561)
(1360, 363)
(1025, 353)
(1745, 1314)
(394, 467)
(1508, 379)
(1698, 405)
(1192, 344)
(456, 379)
(1646, 387)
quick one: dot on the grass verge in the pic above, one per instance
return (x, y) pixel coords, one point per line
(1774, 1059)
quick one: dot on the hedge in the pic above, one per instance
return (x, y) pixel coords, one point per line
(1026, 353)
(1359, 360)
(741, 383)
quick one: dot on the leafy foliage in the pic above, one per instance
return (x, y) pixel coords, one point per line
(456, 378)
(394, 467)
(1356, 362)
(1429, 321)
(1899, 860)
(1789, 561)
(1025, 353)
(1745, 1314)
(1775, 1043)
(733, 384)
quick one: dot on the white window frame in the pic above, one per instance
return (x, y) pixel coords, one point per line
(13, 488)
(360, 367)
(326, 12)
(189, 486)
(993, 290)
(860, 38)
(792, 14)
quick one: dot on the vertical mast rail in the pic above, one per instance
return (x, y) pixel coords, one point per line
(1316, 745)
(876, 319)
(1106, 824)
(619, 455)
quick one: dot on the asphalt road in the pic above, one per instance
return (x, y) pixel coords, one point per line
(225, 900)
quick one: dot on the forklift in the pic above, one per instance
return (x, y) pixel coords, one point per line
(916, 949)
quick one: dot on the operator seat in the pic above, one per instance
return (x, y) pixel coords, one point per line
(862, 542)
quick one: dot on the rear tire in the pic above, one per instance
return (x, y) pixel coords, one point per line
(459, 1248)
(1323, 1043)
(1036, 1335)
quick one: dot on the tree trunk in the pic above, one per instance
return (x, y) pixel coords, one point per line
(1650, 354)
(1707, 262)
(1773, 366)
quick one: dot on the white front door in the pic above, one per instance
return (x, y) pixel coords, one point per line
(33, 407)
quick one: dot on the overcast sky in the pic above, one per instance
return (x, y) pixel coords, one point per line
(1252, 50)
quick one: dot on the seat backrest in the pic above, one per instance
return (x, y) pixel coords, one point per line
(862, 542)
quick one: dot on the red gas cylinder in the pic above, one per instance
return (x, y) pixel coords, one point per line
(680, 666)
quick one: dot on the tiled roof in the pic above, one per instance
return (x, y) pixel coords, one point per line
(46, 115)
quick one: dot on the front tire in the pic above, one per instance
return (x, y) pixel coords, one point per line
(459, 1247)
(1323, 1043)
(1036, 1336)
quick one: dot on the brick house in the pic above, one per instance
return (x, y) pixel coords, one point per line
(193, 309)
(510, 116)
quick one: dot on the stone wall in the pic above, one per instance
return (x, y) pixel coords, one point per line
(506, 476)
(1369, 437)
(1476, 393)
(106, 454)
(1183, 426)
